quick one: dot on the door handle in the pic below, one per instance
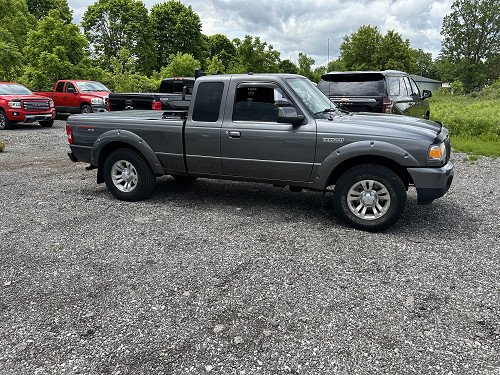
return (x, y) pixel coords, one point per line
(233, 134)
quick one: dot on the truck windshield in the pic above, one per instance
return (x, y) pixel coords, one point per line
(91, 86)
(314, 99)
(13, 89)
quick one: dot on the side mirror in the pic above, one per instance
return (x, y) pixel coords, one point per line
(426, 94)
(289, 115)
(71, 90)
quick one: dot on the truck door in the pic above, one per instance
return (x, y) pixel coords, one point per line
(254, 145)
(58, 95)
(71, 98)
(202, 131)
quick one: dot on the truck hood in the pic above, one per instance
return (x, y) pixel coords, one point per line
(23, 97)
(97, 94)
(392, 125)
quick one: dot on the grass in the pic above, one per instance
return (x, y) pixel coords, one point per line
(473, 120)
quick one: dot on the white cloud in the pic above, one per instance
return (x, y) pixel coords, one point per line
(294, 26)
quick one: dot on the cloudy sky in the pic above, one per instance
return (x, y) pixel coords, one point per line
(294, 26)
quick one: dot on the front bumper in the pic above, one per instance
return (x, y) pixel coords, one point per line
(21, 116)
(431, 183)
(99, 108)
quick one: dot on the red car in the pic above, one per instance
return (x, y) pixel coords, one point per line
(18, 104)
(78, 96)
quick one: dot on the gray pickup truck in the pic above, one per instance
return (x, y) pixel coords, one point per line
(273, 128)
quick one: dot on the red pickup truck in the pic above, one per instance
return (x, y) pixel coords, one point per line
(18, 104)
(78, 96)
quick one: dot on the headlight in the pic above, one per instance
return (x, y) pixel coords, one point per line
(97, 101)
(51, 103)
(437, 152)
(14, 104)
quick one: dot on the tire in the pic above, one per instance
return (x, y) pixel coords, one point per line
(381, 193)
(5, 123)
(85, 108)
(47, 124)
(184, 179)
(128, 176)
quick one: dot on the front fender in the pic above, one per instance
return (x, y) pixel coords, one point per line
(361, 149)
(132, 139)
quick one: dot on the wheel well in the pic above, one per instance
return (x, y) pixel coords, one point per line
(369, 159)
(108, 149)
(85, 103)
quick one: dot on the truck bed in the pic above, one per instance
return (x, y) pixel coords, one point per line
(143, 101)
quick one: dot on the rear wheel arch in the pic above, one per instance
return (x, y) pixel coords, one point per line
(106, 150)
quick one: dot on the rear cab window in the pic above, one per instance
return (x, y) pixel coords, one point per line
(208, 100)
(60, 86)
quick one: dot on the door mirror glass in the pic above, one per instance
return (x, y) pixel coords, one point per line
(289, 115)
(71, 90)
(426, 94)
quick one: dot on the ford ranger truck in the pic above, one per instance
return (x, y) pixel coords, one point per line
(272, 128)
(78, 96)
(20, 105)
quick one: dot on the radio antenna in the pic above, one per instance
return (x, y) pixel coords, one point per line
(329, 80)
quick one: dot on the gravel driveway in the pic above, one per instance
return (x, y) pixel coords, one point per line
(238, 278)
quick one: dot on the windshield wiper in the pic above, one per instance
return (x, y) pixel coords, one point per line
(327, 110)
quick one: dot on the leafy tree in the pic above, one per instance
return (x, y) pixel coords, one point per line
(181, 65)
(305, 65)
(471, 34)
(252, 55)
(336, 66)
(359, 50)
(15, 22)
(393, 53)
(422, 63)
(214, 65)
(111, 25)
(219, 45)
(55, 48)
(176, 28)
(286, 66)
(41, 8)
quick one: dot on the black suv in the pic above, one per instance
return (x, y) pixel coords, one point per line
(388, 91)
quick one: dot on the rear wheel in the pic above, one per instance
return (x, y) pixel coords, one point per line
(5, 123)
(47, 124)
(86, 109)
(369, 197)
(128, 176)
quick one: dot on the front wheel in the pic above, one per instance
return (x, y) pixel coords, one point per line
(47, 124)
(369, 197)
(86, 109)
(5, 123)
(128, 176)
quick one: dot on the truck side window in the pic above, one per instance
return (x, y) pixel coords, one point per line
(207, 102)
(259, 103)
(393, 86)
(60, 86)
(414, 87)
(70, 85)
(405, 87)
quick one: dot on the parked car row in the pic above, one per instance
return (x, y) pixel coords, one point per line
(389, 91)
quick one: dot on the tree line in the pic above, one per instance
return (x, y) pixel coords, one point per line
(130, 48)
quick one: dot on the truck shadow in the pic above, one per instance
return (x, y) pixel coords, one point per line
(440, 219)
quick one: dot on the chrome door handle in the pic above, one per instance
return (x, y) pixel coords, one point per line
(234, 134)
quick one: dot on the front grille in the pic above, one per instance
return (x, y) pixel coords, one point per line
(38, 105)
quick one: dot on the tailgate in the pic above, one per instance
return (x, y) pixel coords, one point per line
(358, 104)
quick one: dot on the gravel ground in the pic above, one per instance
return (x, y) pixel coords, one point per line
(238, 278)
